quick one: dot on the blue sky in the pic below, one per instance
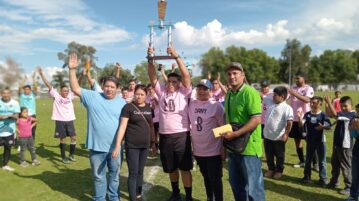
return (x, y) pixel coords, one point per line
(33, 31)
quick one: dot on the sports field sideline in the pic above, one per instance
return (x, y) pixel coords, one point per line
(53, 180)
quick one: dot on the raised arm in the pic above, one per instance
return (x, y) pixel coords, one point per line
(163, 73)
(22, 83)
(46, 82)
(151, 69)
(330, 106)
(118, 70)
(34, 83)
(186, 77)
(224, 88)
(73, 64)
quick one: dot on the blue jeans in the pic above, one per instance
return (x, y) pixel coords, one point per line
(99, 161)
(320, 147)
(354, 189)
(245, 177)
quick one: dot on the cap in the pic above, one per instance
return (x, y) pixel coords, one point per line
(265, 83)
(235, 65)
(206, 83)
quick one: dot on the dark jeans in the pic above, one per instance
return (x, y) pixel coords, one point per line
(275, 149)
(354, 189)
(341, 160)
(211, 170)
(136, 160)
(245, 177)
(312, 149)
(6, 155)
(27, 143)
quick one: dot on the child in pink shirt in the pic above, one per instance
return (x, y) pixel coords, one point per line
(24, 129)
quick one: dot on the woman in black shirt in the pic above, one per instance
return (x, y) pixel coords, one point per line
(137, 129)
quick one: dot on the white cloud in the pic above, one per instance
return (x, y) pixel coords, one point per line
(59, 21)
(14, 15)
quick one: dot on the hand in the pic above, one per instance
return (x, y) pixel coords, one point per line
(115, 152)
(219, 76)
(300, 114)
(73, 62)
(118, 66)
(285, 137)
(327, 99)
(355, 124)
(150, 51)
(291, 91)
(209, 75)
(153, 149)
(172, 51)
(229, 136)
(319, 127)
(39, 69)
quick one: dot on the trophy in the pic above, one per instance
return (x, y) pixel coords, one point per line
(162, 4)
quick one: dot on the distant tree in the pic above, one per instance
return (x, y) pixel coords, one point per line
(11, 74)
(296, 56)
(59, 79)
(141, 74)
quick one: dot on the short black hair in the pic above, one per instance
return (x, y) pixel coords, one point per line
(124, 89)
(23, 108)
(142, 87)
(345, 99)
(281, 91)
(357, 106)
(64, 86)
(132, 80)
(179, 78)
(318, 98)
(112, 79)
(26, 86)
(337, 92)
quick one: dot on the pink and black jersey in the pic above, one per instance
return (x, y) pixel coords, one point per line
(153, 101)
(173, 109)
(299, 105)
(204, 116)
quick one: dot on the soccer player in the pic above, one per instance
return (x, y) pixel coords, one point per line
(175, 140)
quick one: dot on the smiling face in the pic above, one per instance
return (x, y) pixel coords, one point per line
(173, 84)
(109, 89)
(215, 85)
(27, 90)
(315, 104)
(6, 95)
(235, 78)
(64, 92)
(203, 93)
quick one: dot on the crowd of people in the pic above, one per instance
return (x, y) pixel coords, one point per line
(177, 119)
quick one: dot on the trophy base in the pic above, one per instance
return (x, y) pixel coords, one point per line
(160, 57)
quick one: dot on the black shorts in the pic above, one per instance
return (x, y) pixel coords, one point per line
(7, 141)
(64, 129)
(296, 132)
(176, 152)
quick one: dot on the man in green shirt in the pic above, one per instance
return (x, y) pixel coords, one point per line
(243, 105)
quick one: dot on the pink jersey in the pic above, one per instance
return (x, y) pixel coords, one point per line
(24, 127)
(336, 105)
(153, 101)
(299, 105)
(173, 109)
(204, 116)
(218, 95)
(62, 108)
(267, 101)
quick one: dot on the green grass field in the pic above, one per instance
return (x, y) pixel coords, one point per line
(53, 180)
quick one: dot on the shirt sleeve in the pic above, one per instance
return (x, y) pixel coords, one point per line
(159, 88)
(327, 122)
(96, 86)
(54, 93)
(289, 115)
(87, 97)
(309, 92)
(186, 91)
(220, 114)
(254, 105)
(126, 111)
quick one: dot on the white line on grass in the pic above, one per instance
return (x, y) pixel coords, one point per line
(149, 177)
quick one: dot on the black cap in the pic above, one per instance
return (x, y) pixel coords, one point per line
(265, 83)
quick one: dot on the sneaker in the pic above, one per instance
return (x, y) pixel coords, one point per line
(345, 191)
(65, 160)
(299, 165)
(305, 180)
(323, 182)
(315, 167)
(24, 164)
(333, 185)
(72, 159)
(35, 162)
(175, 197)
(269, 174)
(8, 168)
(277, 175)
